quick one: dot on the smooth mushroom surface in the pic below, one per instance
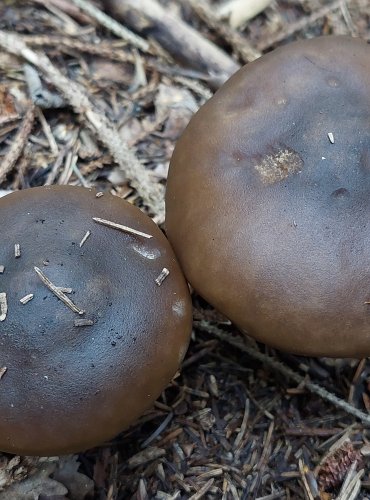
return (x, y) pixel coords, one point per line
(95, 319)
(268, 198)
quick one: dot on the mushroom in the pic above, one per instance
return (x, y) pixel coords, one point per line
(268, 198)
(90, 335)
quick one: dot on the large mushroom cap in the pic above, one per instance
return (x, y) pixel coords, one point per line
(268, 198)
(68, 386)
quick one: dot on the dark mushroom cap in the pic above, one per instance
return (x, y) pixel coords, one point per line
(268, 198)
(71, 387)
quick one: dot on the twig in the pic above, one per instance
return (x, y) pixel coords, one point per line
(238, 42)
(352, 484)
(17, 250)
(162, 276)
(139, 177)
(112, 25)
(303, 469)
(48, 133)
(4, 120)
(285, 370)
(83, 322)
(106, 49)
(18, 144)
(56, 291)
(158, 431)
(3, 306)
(87, 234)
(111, 50)
(243, 426)
(71, 10)
(203, 490)
(183, 42)
(121, 227)
(27, 298)
(289, 30)
(57, 164)
(260, 467)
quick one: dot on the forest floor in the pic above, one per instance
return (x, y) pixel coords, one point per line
(240, 420)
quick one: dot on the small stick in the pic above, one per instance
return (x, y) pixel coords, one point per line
(163, 275)
(283, 369)
(56, 291)
(331, 137)
(24, 300)
(17, 250)
(87, 234)
(18, 144)
(47, 131)
(303, 469)
(111, 24)
(3, 371)
(3, 306)
(83, 322)
(120, 227)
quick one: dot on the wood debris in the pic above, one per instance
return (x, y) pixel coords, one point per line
(3, 371)
(87, 234)
(56, 291)
(121, 227)
(17, 250)
(3, 306)
(27, 298)
(241, 420)
(83, 322)
(162, 276)
(18, 144)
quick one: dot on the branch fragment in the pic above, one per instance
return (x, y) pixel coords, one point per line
(56, 291)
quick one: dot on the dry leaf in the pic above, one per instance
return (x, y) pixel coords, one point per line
(78, 485)
(37, 483)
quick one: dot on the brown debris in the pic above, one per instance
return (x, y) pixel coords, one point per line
(17, 250)
(121, 227)
(83, 322)
(334, 469)
(162, 276)
(83, 241)
(56, 291)
(3, 306)
(27, 298)
(3, 371)
(240, 420)
(175, 36)
(18, 144)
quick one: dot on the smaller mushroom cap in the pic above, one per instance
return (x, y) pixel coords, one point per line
(73, 379)
(268, 198)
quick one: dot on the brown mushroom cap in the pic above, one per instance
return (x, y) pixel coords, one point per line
(70, 387)
(268, 198)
